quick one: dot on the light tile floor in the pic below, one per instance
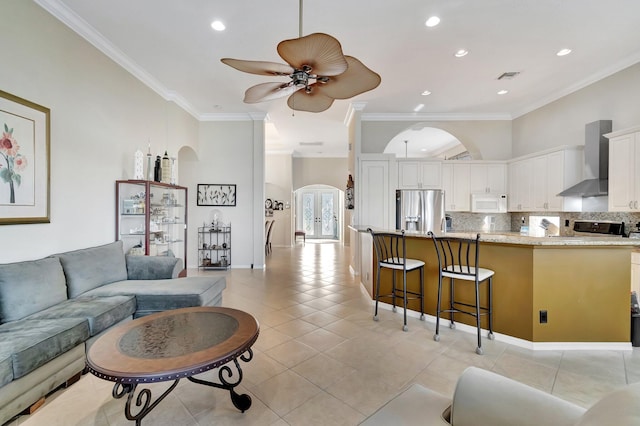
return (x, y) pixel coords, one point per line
(321, 359)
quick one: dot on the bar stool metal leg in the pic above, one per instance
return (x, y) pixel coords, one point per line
(421, 294)
(479, 350)
(375, 314)
(490, 308)
(436, 336)
(404, 299)
(452, 324)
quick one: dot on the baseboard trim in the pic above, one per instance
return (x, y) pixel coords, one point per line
(526, 344)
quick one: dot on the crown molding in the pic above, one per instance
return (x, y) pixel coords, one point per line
(353, 107)
(594, 78)
(214, 116)
(65, 15)
(434, 117)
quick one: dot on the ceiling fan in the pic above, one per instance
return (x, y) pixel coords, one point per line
(318, 71)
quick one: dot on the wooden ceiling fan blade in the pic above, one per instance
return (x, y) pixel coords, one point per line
(320, 51)
(315, 101)
(258, 67)
(268, 91)
(355, 80)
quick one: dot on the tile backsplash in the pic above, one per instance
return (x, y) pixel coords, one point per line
(511, 221)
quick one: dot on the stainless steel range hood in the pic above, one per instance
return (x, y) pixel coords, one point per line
(596, 158)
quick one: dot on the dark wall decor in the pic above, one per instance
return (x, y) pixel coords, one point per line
(216, 194)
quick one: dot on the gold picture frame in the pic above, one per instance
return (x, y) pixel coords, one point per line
(24, 161)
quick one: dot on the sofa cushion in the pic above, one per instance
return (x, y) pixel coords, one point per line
(152, 267)
(36, 342)
(101, 312)
(161, 295)
(28, 287)
(621, 408)
(6, 365)
(92, 267)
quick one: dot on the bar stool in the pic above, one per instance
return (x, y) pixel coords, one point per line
(391, 253)
(458, 259)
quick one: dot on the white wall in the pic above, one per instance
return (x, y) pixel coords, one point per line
(562, 122)
(279, 186)
(226, 156)
(100, 114)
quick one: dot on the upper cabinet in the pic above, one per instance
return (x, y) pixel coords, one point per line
(415, 174)
(536, 181)
(456, 184)
(624, 176)
(488, 177)
(520, 186)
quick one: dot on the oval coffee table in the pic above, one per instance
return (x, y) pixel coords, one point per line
(172, 345)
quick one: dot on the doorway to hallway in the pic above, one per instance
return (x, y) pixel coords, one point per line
(318, 212)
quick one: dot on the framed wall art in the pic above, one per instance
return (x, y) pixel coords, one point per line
(24, 161)
(216, 194)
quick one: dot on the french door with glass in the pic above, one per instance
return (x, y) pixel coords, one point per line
(318, 213)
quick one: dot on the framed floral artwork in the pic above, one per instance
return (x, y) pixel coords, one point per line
(216, 195)
(24, 161)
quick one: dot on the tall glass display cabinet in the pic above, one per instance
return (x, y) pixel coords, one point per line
(151, 219)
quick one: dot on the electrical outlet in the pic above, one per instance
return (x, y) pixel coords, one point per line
(543, 317)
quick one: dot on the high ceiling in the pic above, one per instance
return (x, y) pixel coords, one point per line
(171, 46)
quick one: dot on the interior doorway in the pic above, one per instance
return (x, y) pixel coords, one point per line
(319, 212)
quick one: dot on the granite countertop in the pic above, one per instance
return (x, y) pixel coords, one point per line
(516, 238)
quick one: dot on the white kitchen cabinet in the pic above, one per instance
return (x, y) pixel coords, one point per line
(374, 194)
(520, 186)
(456, 183)
(488, 178)
(624, 176)
(419, 174)
(536, 181)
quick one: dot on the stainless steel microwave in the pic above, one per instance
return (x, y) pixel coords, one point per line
(488, 203)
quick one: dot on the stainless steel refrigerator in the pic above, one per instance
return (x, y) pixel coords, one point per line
(420, 210)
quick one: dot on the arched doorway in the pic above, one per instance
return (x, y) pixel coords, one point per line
(422, 141)
(319, 212)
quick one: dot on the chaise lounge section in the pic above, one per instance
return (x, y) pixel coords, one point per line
(53, 309)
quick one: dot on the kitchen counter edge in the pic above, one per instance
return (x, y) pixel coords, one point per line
(516, 238)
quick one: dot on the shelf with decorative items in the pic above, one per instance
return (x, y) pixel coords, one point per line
(214, 246)
(151, 218)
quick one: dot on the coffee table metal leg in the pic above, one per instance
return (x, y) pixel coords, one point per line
(142, 401)
(241, 401)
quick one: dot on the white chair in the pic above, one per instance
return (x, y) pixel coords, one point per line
(391, 253)
(458, 260)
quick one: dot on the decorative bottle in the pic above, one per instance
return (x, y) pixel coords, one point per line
(166, 168)
(157, 171)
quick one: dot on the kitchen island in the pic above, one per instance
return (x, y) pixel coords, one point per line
(582, 283)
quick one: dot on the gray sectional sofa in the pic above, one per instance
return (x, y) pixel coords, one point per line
(52, 309)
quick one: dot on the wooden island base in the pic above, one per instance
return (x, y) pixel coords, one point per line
(584, 289)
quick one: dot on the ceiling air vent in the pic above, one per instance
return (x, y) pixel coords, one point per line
(311, 143)
(508, 75)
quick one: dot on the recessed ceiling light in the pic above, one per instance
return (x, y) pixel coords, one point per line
(503, 92)
(426, 93)
(462, 52)
(218, 26)
(432, 21)
(423, 149)
(418, 108)
(563, 52)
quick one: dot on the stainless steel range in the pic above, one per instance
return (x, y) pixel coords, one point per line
(598, 228)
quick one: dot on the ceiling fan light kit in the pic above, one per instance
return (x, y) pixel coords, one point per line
(318, 71)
